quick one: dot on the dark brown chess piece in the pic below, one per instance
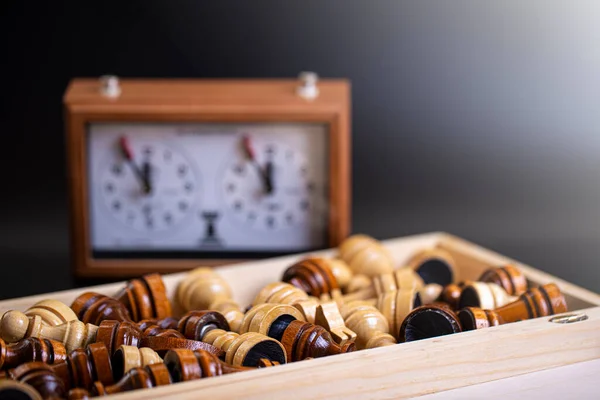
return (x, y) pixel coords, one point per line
(312, 275)
(42, 378)
(94, 308)
(303, 339)
(31, 349)
(80, 369)
(146, 298)
(509, 277)
(451, 294)
(165, 323)
(187, 365)
(137, 378)
(429, 321)
(538, 302)
(195, 324)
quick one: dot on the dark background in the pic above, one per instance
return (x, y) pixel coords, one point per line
(476, 118)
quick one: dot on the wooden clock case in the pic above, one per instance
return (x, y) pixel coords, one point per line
(193, 100)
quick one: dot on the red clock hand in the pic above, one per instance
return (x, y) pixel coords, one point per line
(267, 174)
(143, 177)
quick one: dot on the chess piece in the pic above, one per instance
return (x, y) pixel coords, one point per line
(434, 265)
(428, 321)
(357, 283)
(280, 293)
(79, 394)
(270, 319)
(395, 306)
(204, 289)
(341, 271)
(534, 303)
(308, 308)
(165, 323)
(509, 277)
(15, 326)
(365, 255)
(195, 324)
(186, 365)
(129, 357)
(94, 308)
(313, 275)
(403, 278)
(451, 294)
(137, 378)
(52, 312)
(146, 298)
(328, 316)
(247, 349)
(10, 389)
(371, 327)
(303, 339)
(31, 349)
(42, 378)
(488, 296)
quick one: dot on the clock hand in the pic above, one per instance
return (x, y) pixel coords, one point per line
(264, 175)
(128, 155)
(147, 172)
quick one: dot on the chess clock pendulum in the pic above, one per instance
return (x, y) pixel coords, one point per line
(165, 175)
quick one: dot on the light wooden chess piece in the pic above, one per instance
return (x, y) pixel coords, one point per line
(280, 293)
(328, 316)
(247, 349)
(371, 327)
(365, 255)
(403, 278)
(395, 306)
(15, 326)
(486, 295)
(434, 265)
(52, 312)
(270, 319)
(129, 357)
(204, 289)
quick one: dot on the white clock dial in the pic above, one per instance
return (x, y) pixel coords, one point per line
(269, 186)
(148, 186)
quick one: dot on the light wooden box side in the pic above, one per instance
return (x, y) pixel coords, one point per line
(409, 369)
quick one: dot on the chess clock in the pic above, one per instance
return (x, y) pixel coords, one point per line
(165, 175)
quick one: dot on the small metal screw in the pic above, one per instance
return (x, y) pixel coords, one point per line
(568, 318)
(110, 86)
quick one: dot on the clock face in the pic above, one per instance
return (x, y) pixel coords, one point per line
(207, 190)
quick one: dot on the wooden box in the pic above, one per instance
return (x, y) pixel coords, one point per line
(405, 370)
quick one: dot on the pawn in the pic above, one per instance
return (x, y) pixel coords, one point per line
(328, 316)
(15, 325)
(247, 349)
(365, 255)
(371, 327)
(313, 276)
(195, 324)
(303, 339)
(403, 278)
(429, 321)
(129, 357)
(537, 302)
(94, 308)
(146, 298)
(42, 378)
(204, 289)
(31, 349)
(475, 318)
(509, 277)
(451, 294)
(280, 293)
(434, 265)
(395, 306)
(137, 378)
(484, 295)
(186, 365)
(270, 319)
(83, 367)
(52, 312)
